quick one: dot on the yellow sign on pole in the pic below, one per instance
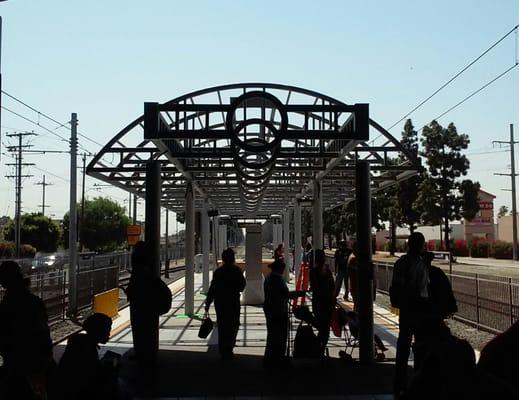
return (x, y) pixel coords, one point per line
(134, 234)
(134, 230)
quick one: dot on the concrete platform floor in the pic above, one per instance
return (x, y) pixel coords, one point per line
(190, 367)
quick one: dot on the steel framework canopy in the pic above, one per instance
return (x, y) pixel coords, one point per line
(252, 149)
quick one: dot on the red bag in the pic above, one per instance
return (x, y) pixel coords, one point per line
(336, 322)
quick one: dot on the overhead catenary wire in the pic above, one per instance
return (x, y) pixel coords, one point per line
(45, 115)
(514, 29)
(36, 123)
(459, 103)
(88, 151)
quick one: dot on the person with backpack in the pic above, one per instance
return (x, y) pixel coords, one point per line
(424, 296)
(227, 284)
(149, 297)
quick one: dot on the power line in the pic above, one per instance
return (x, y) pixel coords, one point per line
(478, 90)
(514, 29)
(35, 123)
(60, 124)
(45, 128)
(42, 170)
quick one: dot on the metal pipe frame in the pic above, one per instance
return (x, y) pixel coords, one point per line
(189, 136)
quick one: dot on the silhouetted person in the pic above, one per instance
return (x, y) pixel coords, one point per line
(279, 253)
(322, 287)
(275, 308)
(500, 355)
(449, 372)
(149, 297)
(424, 297)
(83, 374)
(341, 269)
(307, 255)
(353, 274)
(25, 343)
(227, 283)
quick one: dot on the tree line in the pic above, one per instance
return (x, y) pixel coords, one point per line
(437, 195)
(103, 228)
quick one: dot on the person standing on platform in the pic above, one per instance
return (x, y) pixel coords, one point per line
(275, 308)
(149, 297)
(353, 274)
(424, 296)
(279, 253)
(341, 269)
(227, 284)
(322, 287)
(25, 343)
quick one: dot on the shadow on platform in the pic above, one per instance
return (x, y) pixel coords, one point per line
(203, 374)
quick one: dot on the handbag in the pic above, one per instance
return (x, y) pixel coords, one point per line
(206, 327)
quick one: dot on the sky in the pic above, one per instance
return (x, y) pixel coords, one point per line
(104, 59)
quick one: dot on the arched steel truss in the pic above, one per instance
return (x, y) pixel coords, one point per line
(252, 149)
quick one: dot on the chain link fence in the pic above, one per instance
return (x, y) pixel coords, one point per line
(96, 273)
(488, 302)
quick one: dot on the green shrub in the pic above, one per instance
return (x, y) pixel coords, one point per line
(479, 248)
(502, 250)
(7, 250)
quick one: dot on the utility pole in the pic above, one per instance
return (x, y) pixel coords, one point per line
(72, 234)
(512, 175)
(18, 150)
(43, 184)
(167, 244)
(82, 218)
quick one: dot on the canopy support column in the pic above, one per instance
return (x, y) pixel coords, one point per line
(152, 227)
(222, 235)
(364, 264)
(190, 251)
(286, 243)
(297, 238)
(205, 248)
(166, 244)
(317, 239)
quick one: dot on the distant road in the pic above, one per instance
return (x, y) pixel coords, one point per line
(486, 266)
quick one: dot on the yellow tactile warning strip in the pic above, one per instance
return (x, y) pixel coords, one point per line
(124, 314)
(381, 317)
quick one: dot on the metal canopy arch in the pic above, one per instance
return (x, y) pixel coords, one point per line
(252, 149)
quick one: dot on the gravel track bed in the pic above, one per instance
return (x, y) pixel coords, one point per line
(476, 338)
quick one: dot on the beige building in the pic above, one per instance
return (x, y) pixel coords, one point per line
(504, 228)
(482, 226)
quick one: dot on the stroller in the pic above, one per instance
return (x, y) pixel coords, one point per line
(347, 322)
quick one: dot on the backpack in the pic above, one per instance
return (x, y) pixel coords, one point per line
(162, 296)
(306, 344)
(442, 296)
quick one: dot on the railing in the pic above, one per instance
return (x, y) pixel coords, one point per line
(489, 303)
(96, 273)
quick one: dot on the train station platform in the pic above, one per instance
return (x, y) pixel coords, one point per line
(190, 367)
